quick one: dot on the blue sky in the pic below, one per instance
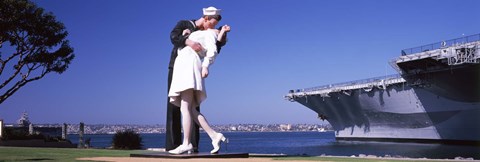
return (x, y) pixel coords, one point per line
(122, 47)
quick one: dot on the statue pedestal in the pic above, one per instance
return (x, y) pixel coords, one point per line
(193, 155)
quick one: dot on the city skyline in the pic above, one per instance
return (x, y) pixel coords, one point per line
(122, 48)
(113, 128)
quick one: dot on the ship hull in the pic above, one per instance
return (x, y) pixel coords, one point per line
(398, 113)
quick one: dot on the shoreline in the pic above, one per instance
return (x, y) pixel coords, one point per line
(201, 131)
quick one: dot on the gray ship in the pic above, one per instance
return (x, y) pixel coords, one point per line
(435, 98)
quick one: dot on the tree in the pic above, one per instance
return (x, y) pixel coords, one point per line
(32, 42)
(127, 139)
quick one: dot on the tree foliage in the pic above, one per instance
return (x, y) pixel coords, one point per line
(127, 139)
(32, 42)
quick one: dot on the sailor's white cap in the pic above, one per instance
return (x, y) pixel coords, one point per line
(211, 11)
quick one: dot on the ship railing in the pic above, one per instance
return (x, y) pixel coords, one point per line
(442, 44)
(455, 54)
(366, 84)
(466, 53)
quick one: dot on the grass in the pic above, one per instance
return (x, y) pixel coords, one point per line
(70, 154)
(58, 154)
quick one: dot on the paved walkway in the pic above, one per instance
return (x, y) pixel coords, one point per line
(132, 159)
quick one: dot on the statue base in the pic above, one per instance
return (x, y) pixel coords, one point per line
(193, 155)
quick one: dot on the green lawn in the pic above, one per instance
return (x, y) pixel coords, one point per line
(70, 154)
(58, 154)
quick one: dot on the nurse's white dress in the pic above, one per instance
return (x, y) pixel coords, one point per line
(187, 70)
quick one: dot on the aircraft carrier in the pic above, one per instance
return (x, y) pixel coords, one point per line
(434, 98)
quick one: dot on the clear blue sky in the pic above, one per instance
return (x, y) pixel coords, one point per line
(122, 50)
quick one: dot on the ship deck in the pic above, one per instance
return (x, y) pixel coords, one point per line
(365, 84)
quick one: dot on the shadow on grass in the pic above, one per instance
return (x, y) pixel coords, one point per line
(58, 154)
(39, 159)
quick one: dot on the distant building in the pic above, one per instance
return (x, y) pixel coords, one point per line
(24, 121)
(1, 128)
(285, 127)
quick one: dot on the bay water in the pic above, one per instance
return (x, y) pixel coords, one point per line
(304, 144)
